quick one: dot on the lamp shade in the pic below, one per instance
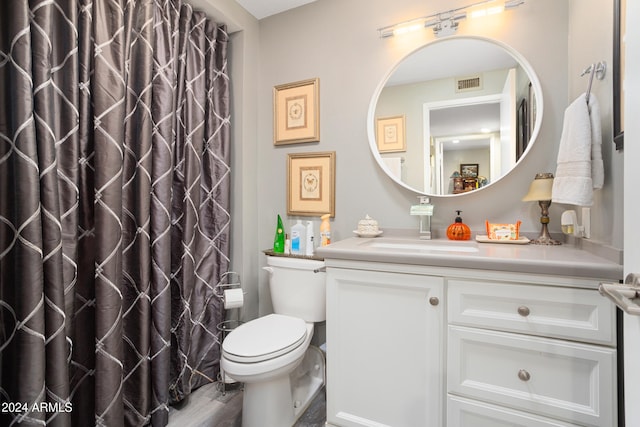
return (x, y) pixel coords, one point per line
(540, 188)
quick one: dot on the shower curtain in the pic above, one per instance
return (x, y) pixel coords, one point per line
(114, 208)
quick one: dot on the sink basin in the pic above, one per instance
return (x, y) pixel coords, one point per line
(423, 246)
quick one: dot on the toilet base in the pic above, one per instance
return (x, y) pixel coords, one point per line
(307, 379)
(280, 401)
(268, 404)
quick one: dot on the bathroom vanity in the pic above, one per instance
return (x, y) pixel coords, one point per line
(444, 333)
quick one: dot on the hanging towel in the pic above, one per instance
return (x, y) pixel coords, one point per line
(597, 165)
(580, 168)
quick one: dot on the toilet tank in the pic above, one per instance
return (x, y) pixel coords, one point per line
(297, 288)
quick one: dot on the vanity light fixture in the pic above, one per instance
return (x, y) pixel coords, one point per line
(540, 191)
(446, 23)
(492, 8)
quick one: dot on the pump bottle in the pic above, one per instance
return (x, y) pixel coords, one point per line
(325, 230)
(298, 238)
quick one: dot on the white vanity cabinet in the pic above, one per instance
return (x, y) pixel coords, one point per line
(385, 348)
(530, 350)
(431, 346)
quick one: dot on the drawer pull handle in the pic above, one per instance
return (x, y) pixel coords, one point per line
(524, 311)
(524, 375)
(434, 301)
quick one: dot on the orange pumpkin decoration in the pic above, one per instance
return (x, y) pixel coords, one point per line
(458, 230)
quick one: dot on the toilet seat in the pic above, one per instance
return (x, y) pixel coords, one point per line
(264, 338)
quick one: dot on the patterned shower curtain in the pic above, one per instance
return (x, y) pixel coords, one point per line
(114, 208)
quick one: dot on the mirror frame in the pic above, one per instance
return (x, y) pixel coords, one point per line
(535, 83)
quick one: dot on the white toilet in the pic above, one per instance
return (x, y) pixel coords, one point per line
(271, 355)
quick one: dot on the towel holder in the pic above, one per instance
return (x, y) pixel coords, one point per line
(599, 70)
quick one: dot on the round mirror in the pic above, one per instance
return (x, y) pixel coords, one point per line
(455, 116)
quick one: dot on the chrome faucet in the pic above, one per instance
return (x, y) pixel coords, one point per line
(425, 211)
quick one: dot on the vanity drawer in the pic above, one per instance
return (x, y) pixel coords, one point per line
(463, 412)
(558, 379)
(559, 312)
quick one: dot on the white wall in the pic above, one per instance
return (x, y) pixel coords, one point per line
(591, 40)
(337, 41)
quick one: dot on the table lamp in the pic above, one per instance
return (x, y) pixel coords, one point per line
(540, 191)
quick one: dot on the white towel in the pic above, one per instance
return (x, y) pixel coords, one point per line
(597, 165)
(580, 168)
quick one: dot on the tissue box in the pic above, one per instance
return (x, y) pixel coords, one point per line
(503, 231)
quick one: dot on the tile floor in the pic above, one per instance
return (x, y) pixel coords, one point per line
(209, 407)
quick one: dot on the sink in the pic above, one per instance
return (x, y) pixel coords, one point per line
(423, 246)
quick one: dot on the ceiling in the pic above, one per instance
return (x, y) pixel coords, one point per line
(263, 8)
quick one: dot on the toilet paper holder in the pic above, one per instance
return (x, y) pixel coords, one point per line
(228, 281)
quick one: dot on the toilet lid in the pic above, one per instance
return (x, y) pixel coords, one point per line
(264, 338)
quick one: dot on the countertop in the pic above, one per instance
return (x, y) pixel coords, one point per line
(565, 259)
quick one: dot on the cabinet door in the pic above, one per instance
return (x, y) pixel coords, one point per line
(384, 349)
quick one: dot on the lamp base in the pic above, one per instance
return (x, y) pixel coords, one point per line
(545, 240)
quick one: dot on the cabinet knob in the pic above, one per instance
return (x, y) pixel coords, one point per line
(434, 301)
(524, 311)
(524, 375)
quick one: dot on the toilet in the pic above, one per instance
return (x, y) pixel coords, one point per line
(271, 355)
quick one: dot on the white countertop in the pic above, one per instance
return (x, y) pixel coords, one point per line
(566, 259)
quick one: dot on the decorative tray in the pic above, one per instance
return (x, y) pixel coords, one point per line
(483, 238)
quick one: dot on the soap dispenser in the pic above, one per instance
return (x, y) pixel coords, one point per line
(458, 230)
(278, 239)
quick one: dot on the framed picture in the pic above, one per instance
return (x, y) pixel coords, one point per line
(469, 170)
(390, 134)
(619, 30)
(311, 181)
(296, 112)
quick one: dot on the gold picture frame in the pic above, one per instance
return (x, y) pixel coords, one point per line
(296, 112)
(390, 135)
(311, 182)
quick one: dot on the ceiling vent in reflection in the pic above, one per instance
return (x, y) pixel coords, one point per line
(467, 84)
